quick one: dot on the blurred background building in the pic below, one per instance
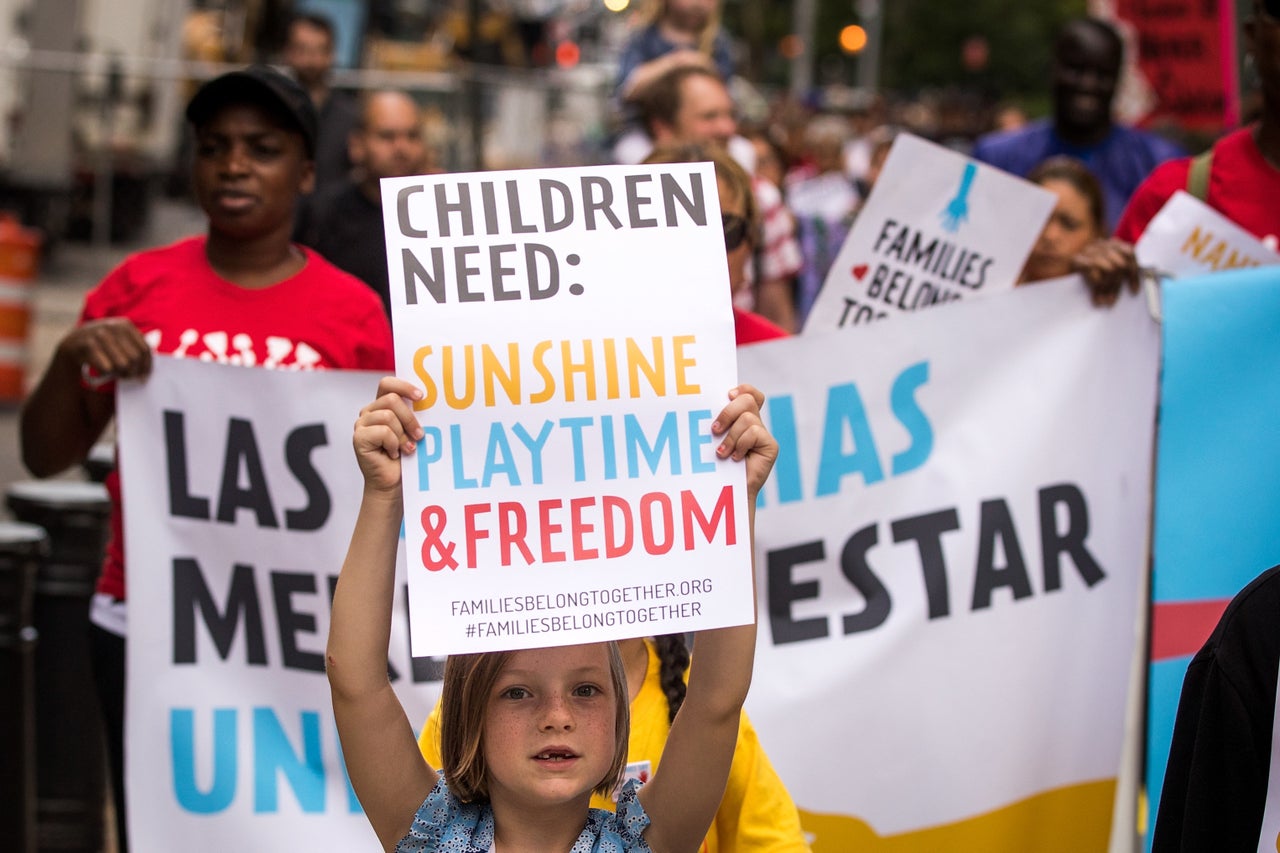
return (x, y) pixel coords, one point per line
(91, 90)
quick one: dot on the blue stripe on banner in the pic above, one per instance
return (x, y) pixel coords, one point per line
(1219, 443)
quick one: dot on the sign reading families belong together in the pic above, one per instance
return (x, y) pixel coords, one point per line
(572, 332)
(936, 228)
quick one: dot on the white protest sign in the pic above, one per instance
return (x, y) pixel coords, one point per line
(240, 493)
(573, 332)
(949, 555)
(1187, 237)
(936, 228)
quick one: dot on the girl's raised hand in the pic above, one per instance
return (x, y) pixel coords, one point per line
(386, 428)
(743, 435)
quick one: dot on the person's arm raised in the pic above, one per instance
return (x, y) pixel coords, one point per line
(684, 794)
(386, 770)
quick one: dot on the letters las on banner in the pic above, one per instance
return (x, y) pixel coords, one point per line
(241, 493)
(1216, 503)
(949, 552)
(573, 332)
(936, 228)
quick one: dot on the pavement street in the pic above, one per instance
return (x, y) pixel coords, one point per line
(57, 294)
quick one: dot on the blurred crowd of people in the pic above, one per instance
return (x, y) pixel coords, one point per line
(812, 160)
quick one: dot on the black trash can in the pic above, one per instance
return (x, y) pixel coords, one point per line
(70, 762)
(22, 548)
(100, 462)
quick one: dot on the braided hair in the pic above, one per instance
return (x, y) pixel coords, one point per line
(673, 662)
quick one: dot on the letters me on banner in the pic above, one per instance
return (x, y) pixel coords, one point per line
(241, 492)
(573, 333)
(936, 228)
(949, 551)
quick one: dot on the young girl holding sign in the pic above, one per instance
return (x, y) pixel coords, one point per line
(528, 735)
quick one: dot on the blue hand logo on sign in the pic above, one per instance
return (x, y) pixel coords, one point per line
(957, 210)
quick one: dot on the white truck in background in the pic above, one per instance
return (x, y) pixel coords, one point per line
(90, 96)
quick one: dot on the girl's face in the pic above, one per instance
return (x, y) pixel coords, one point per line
(1070, 229)
(550, 726)
(731, 206)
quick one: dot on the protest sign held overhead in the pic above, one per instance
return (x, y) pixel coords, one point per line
(937, 227)
(950, 551)
(573, 334)
(242, 493)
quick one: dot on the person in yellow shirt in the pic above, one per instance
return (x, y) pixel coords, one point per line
(756, 815)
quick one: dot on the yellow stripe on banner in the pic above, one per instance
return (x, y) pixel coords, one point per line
(1074, 819)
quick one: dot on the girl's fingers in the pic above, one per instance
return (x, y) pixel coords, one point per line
(376, 417)
(376, 443)
(395, 395)
(732, 440)
(744, 388)
(396, 385)
(403, 412)
(743, 399)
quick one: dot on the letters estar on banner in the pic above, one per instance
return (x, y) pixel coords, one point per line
(573, 333)
(950, 550)
(241, 493)
(936, 228)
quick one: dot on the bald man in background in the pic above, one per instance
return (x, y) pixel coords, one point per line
(345, 224)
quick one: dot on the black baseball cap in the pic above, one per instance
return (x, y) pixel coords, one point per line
(265, 87)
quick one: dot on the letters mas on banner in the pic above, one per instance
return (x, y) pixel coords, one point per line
(948, 553)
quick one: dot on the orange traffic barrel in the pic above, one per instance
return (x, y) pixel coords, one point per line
(19, 258)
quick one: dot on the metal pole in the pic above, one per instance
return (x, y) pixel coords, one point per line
(475, 89)
(871, 14)
(803, 23)
(105, 173)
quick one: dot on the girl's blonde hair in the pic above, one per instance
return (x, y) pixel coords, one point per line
(468, 682)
